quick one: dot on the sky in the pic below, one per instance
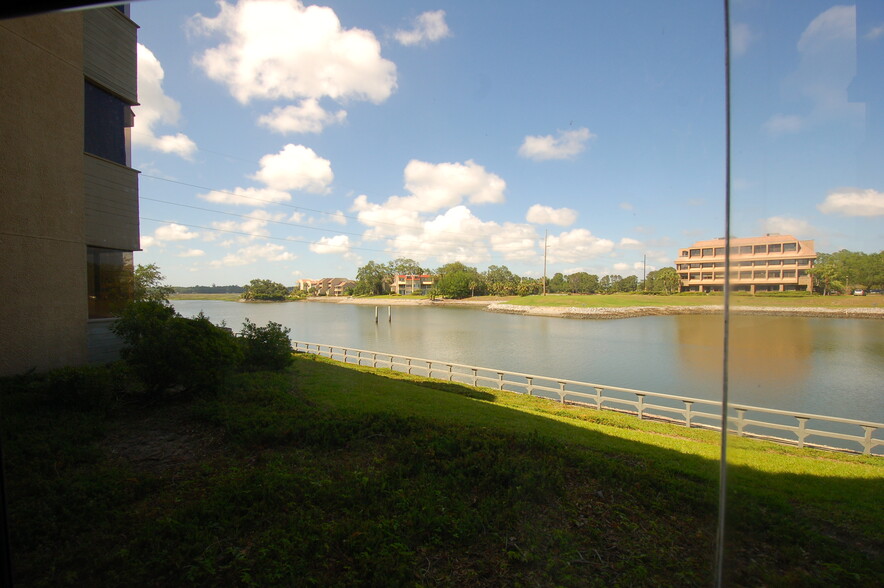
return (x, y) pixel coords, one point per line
(284, 140)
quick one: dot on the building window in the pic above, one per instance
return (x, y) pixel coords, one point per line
(790, 247)
(759, 263)
(719, 251)
(759, 249)
(706, 265)
(707, 252)
(803, 262)
(695, 276)
(775, 248)
(788, 273)
(695, 253)
(707, 275)
(773, 274)
(110, 276)
(759, 275)
(745, 275)
(684, 253)
(746, 250)
(106, 119)
(788, 262)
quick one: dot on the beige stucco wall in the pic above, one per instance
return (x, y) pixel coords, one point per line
(43, 306)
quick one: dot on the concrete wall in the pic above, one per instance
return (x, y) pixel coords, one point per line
(42, 250)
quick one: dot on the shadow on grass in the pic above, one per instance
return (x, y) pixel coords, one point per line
(336, 476)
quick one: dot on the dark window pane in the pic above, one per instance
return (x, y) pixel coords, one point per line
(106, 118)
(110, 280)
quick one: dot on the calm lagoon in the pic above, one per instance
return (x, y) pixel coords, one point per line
(824, 366)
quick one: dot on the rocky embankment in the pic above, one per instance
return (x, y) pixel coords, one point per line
(577, 312)
(635, 311)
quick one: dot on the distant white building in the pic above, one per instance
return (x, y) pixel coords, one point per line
(404, 284)
(326, 286)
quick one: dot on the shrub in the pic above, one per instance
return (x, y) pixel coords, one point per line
(169, 351)
(265, 348)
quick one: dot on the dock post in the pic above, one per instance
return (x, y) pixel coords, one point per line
(389, 314)
(375, 314)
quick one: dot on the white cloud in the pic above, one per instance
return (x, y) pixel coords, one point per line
(192, 253)
(741, 36)
(780, 124)
(156, 109)
(576, 246)
(435, 186)
(427, 28)
(336, 244)
(280, 49)
(784, 225)
(296, 168)
(254, 253)
(546, 215)
(306, 117)
(565, 146)
(827, 66)
(173, 232)
(629, 243)
(853, 202)
(247, 196)
(253, 227)
(626, 206)
(515, 242)
(874, 33)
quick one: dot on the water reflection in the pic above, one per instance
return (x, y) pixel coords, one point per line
(763, 349)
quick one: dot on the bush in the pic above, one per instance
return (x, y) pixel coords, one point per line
(265, 348)
(169, 351)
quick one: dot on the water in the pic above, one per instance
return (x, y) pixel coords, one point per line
(824, 366)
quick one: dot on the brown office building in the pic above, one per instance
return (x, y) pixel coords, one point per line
(68, 193)
(773, 263)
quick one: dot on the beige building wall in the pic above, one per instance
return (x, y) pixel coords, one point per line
(43, 311)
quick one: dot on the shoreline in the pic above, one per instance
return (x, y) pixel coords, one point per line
(599, 313)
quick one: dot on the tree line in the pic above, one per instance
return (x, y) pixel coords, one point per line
(842, 271)
(458, 280)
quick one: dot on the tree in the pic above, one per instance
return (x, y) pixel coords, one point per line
(557, 284)
(663, 281)
(373, 279)
(582, 283)
(500, 281)
(455, 278)
(149, 286)
(627, 284)
(265, 290)
(406, 266)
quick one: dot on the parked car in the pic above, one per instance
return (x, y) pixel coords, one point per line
(859, 292)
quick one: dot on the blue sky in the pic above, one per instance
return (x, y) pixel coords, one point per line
(285, 140)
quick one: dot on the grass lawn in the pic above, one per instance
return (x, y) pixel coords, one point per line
(328, 474)
(626, 300)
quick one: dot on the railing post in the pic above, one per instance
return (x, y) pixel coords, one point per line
(530, 385)
(640, 406)
(500, 380)
(475, 377)
(741, 420)
(802, 431)
(429, 369)
(374, 360)
(687, 413)
(408, 362)
(345, 355)
(867, 439)
(598, 398)
(562, 392)
(450, 375)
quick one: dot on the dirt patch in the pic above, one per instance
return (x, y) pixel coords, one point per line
(162, 439)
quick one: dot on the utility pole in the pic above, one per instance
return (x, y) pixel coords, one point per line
(645, 272)
(545, 247)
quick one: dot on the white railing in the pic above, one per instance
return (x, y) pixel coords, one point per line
(806, 430)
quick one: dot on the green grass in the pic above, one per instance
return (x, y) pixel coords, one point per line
(629, 300)
(335, 475)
